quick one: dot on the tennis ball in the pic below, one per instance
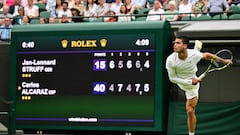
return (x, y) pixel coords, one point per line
(198, 45)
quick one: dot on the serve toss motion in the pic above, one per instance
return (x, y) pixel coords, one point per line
(181, 66)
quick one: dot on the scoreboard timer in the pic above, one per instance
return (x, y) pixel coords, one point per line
(85, 76)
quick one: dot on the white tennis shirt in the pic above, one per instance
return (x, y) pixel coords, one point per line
(181, 72)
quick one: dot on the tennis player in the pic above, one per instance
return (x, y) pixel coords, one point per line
(182, 67)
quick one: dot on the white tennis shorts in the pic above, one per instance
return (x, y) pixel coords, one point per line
(193, 92)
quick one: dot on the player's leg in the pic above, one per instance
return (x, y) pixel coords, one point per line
(191, 116)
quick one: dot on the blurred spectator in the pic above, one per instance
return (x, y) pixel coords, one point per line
(42, 21)
(14, 8)
(5, 14)
(80, 6)
(185, 9)
(51, 20)
(166, 4)
(64, 19)
(130, 6)
(112, 17)
(32, 11)
(5, 31)
(58, 7)
(70, 3)
(156, 13)
(218, 7)
(102, 8)
(51, 7)
(172, 13)
(19, 17)
(65, 12)
(139, 4)
(116, 6)
(76, 17)
(199, 8)
(25, 20)
(90, 9)
(229, 2)
(123, 16)
(8, 2)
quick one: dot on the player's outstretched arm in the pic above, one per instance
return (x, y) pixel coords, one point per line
(209, 56)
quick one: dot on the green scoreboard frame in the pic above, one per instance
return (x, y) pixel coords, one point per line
(90, 76)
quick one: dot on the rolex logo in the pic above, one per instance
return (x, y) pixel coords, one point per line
(64, 43)
(103, 42)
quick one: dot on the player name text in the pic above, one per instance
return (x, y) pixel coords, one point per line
(39, 62)
(30, 85)
(43, 91)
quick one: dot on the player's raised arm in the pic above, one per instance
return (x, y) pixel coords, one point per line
(210, 56)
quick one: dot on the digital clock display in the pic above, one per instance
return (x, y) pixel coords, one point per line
(84, 80)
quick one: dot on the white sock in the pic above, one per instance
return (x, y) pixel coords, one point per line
(191, 133)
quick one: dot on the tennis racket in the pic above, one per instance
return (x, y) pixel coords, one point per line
(218, 66)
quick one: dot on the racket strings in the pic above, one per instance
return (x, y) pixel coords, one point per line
(224, 55)
(216, 64)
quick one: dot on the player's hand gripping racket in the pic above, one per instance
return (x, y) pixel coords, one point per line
(216, 65)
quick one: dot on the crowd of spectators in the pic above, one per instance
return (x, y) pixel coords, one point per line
(22, 12)
(174, 10)
(66, 11)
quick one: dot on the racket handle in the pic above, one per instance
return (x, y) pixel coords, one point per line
(202, 76)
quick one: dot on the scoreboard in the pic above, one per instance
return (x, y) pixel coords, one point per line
(90, 76)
